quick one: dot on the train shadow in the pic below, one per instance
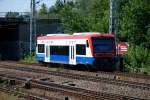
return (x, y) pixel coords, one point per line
(85, 68)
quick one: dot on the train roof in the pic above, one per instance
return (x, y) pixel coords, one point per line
(74, 36)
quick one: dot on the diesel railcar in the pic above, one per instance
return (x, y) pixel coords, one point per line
(94, 50)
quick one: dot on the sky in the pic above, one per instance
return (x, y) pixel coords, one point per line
(21, 5)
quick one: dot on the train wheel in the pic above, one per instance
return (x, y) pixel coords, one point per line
(42, 63)
(88, 67)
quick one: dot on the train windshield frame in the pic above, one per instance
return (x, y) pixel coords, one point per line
(103, 44)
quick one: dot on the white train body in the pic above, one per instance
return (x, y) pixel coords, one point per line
(75, 49)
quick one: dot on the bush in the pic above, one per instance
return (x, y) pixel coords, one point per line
(137, 60)
(28, 58)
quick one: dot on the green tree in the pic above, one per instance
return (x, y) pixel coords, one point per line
(12, 14)
(73, 21)
(43, 10)
(147, 37)
(84, 6)
(99, 15)
(83, 15)
(133, 18)
(138, 59)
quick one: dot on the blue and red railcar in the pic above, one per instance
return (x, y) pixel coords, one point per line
(90, 49)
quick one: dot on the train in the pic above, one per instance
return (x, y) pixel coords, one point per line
(90, 49)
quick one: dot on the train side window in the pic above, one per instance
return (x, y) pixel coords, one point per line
(41, 48)
(59, 50)
(81, 49)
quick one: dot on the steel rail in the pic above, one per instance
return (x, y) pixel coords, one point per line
(74, 90)
(31, 96)
(122, 74)
(142, 86)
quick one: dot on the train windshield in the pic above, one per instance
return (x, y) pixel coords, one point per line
(103, 44)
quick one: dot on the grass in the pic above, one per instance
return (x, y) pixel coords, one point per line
(32, 59)
(29, 58)
(147, 71)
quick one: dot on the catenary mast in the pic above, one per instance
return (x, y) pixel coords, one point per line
(112, 17)
(32, 25)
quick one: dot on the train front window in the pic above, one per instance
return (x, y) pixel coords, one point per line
(40, 48)
(103, 44)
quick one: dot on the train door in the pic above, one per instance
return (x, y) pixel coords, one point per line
(47, 53)
(72, 53)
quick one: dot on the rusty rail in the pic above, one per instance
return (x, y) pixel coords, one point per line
(48, 86)
(142, 86)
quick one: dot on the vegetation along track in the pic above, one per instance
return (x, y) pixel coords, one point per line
(142, 86)
(48, 86)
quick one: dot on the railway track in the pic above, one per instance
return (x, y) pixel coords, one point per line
(30, 96)
(142, 86)
(88, 94)
(120, 75)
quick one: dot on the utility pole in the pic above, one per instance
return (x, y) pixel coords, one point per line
(32, 25)
(112, 17)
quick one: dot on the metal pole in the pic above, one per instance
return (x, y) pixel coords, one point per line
(115, 18)
(31, 25)
(111, 17)
(34, 24)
